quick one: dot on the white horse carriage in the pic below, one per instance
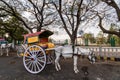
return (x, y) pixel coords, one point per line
(39, 52)
(4, 47)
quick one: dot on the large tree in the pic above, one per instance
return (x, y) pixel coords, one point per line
(72, 13)
(39, 9)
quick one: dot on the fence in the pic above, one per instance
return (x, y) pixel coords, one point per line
(111, 53)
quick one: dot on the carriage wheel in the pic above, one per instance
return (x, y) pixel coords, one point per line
(34, 59)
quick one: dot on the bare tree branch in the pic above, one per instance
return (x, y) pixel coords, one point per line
(104, 30)
(14, 13)
(114, 5)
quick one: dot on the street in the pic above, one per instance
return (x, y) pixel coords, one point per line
(12, 68)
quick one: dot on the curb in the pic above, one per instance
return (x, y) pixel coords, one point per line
(107, 58)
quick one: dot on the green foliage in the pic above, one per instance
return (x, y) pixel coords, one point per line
(66, 42)
(90, 37)
(117, 39)
(13, 27)
(100, 38)
(110, 35)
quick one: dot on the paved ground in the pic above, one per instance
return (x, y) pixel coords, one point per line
(11, 68)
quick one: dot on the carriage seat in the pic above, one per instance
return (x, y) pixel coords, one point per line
(46, 45)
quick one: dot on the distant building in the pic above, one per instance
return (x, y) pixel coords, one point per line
(80, 40)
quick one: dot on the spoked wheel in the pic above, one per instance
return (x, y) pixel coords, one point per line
(34, 59)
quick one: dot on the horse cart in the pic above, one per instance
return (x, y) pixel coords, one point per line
(39, 51)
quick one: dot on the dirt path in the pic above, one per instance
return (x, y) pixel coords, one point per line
(11, 68)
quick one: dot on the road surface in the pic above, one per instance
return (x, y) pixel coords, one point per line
(11, 68)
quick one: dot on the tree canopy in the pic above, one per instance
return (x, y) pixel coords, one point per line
(13, 27)
(71, 13)
(39, 9)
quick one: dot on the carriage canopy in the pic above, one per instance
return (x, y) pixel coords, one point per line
(34, 37)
